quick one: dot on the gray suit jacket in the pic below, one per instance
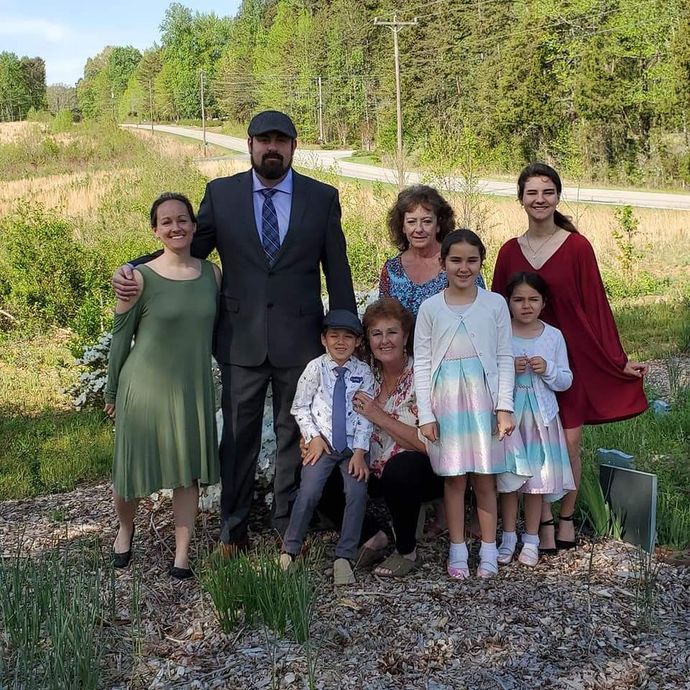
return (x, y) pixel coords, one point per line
(273, 312)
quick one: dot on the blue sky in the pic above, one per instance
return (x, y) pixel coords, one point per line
(67, 32)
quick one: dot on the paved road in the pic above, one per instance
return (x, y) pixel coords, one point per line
(334, 160)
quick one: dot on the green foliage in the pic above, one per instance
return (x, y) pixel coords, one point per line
(592, 506)
(624, 235)
(253, 589)
(22, 86)
(54, 612)
(50, 276)
(661, 444)
(63, 121)
(619, 285)
(673, 520)
(90, 147)
(599, 89)
(40, 255)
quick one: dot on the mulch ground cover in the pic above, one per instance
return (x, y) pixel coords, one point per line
(584, 619)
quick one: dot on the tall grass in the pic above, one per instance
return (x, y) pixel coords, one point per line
(252, 589)
(53, 613)
(661, 445)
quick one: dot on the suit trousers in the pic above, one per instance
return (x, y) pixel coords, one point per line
(406, 482)
(314, 478)
(244, 394)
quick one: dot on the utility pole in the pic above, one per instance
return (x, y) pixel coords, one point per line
(151, 104)
(203, 113)
(321, 135)
(395, 27)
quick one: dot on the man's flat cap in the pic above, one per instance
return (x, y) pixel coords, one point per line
(272, 121)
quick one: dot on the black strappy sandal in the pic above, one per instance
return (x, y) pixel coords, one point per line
(560, 543)
(552, 550)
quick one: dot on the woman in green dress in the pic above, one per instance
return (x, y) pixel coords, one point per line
(160, 389)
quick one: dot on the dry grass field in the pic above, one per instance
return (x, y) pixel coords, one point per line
(598, 617)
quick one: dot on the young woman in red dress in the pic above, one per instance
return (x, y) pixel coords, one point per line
(607, 386)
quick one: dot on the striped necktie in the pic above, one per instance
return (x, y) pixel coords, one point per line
(339, 429)
(270, 234)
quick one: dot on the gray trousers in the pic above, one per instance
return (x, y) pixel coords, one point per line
(244, 393)
(313, 480)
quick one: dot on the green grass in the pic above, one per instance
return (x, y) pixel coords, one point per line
(45, 445)
(661, 445)
(371, 159)
(58, 618)
(654, 330)
(253, 590)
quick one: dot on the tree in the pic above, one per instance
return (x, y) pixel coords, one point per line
(22, 86)
(61, 97)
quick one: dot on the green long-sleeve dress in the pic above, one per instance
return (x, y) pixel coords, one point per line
(165, 427)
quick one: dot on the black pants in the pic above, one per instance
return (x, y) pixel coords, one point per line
(244, 394)
(406, 482)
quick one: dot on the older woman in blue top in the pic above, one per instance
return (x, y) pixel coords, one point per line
(417, 224)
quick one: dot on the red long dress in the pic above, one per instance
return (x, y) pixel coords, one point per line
(601, 392)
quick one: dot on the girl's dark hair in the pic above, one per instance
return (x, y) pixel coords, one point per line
(408, 200)
(543, 170)
(386, 308)
(462, 235)
(534, 280)
(170, 196)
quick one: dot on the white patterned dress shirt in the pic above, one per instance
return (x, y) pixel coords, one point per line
(312, 407)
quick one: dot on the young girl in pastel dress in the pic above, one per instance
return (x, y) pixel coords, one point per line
(541, 367)
(464, 377)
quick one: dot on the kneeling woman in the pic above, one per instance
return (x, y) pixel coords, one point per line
(160, 390)
(400, 468)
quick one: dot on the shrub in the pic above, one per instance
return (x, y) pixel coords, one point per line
(45, 273)
(62, 122)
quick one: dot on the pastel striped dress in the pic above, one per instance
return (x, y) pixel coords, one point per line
(545, 446)
(463, 408)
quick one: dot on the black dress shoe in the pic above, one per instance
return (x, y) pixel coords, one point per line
(180, 573)
(121, 560)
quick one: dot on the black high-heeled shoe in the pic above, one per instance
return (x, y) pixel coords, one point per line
(550, 551)
(121, 560)
(562, 544)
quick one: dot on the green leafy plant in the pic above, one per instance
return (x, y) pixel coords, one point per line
(53, 613)
(593, 507)
(673, 520)
(624, 235)
(253, 589)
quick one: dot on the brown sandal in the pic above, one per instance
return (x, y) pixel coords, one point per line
(397, 565)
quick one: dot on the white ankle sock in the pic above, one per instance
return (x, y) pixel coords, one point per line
(509, 540)
(488, 548)
(457, 555)
(530, 539)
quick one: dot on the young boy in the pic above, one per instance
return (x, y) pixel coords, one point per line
(335, 435)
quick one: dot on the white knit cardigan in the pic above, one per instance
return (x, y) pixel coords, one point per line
(488, 323)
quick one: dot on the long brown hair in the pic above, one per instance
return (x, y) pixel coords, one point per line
(543, 170)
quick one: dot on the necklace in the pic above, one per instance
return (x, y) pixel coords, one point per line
(388, 391)
(536, 251)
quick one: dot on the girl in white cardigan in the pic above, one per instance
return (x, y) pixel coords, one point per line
(464, 378)
(541, 365)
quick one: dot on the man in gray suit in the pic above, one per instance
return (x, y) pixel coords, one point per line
(274, 229)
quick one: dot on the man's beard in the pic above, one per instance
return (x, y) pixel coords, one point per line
(272, 166)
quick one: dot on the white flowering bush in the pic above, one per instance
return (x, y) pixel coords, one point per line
(89, 390)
